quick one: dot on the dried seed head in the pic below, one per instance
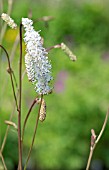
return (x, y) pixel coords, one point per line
(9, 20)
(42, 111)
(11, 124)
(46, 18)
(68, 52)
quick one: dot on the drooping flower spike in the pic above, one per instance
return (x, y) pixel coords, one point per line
(36, 61)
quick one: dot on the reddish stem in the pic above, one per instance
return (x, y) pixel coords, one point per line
(20, 101)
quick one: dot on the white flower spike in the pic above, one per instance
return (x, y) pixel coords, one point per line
(36, 60)
(9, 20)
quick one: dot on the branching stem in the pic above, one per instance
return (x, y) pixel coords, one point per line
(52, 47)
(27, 116)
(3, 162)
(96, 141)
(10, 73)
(37, 120)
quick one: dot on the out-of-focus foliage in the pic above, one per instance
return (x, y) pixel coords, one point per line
(63, 140)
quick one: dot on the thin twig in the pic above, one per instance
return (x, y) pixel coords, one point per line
(6, 134)
(23, 74)
(10, 73)
(7, 130)
(35, 130)
(1, 11)
(52, 47)
(96, 141)
(20, 101)
(14, 47)
(1, 6)
(103, 127)
(44, 18)
(14, 77)
(10, 3)
(27, 116)
(3, 162)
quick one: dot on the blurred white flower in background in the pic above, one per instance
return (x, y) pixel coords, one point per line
(9, 20)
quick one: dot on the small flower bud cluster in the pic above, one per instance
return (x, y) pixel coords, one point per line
(42, 115)
(68, 52)
(9, 20)
(93, 137)
(36, 60)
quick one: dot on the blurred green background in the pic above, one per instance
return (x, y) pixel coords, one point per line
(80, 98)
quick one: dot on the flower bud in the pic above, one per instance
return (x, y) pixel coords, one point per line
(42, 111)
